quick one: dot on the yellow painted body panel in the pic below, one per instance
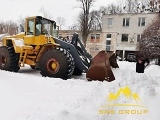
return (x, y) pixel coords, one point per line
(17, 47)
(20, 36)
(34, 40)
(38, 40)
(29, 62)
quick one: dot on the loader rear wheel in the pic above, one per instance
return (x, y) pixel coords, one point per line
(56, 62)
(9, 59)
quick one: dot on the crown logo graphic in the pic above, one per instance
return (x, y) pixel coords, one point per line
(126, 92)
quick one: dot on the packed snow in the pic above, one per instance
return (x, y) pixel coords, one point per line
(28, 96)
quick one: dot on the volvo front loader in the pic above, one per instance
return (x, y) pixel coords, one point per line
(39, 47)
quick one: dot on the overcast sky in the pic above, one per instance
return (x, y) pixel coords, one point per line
(68, 9)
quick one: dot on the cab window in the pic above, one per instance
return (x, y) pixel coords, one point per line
(38, 29)
(30, 27)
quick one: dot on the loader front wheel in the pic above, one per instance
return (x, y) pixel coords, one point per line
(56, 62)
(77, 71)
(9, 59)
(53, 65)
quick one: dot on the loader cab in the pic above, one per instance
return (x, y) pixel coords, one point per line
(37, 28)
(40, 26)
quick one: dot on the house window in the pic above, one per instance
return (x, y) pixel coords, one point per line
(92, 37)
(109, 21)
(125, 21)
(108, 42)
(98, 37)
(108, 48)
(95, 38)
(138, 37)
(141, 21)
(108, 35)
(124, 38)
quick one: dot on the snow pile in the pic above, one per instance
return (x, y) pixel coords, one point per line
(28, 96)
(153, 70)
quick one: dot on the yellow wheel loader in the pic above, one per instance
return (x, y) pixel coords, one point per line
(39, 47)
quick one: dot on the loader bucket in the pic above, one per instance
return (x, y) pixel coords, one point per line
(112, 59)
(100, 68)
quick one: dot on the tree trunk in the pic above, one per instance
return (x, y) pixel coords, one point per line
(84, 39)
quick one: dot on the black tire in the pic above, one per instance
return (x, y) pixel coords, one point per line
(77, 71)
(33, 66)
(9, 59)
(56, 62)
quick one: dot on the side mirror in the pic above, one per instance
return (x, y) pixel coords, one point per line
(54, 25)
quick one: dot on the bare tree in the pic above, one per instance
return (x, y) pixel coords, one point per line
(110, 9)
(84, 21)
(127, 6)
(74, 27)
(21, 20)
(21, 23)
(144, 3)
(96, 18)
(9, 27)
(61, 22)
(45, 13)
(2, 26)
(130, 6)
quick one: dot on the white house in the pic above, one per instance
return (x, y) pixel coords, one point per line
(121, 32)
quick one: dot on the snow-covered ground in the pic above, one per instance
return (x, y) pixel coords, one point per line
(28, 96)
